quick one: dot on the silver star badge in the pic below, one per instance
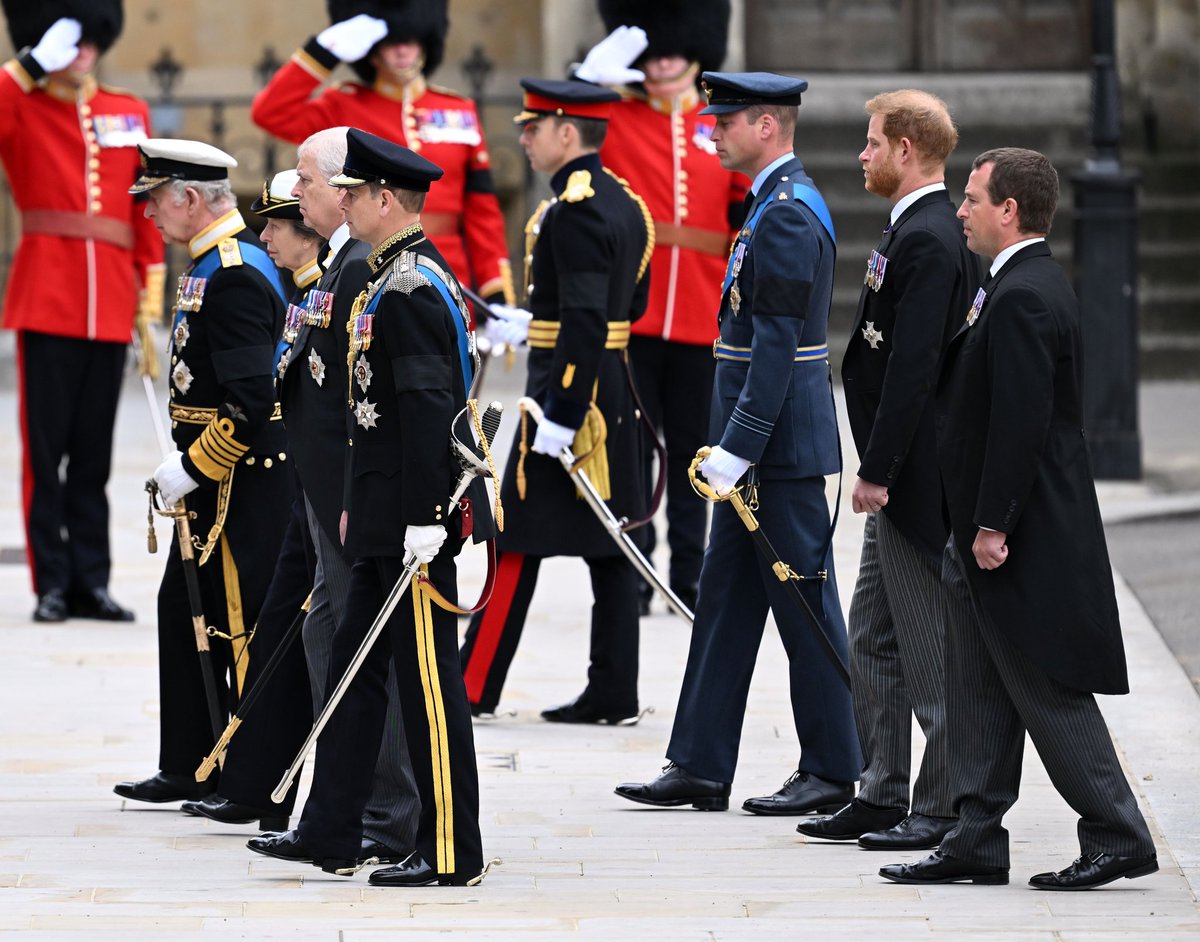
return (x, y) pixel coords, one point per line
(872, 336)
(181, 376)
(316, 367)
(365, 414)
(362, 372)
(182, 332)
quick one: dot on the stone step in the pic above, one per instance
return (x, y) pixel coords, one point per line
(1169, 309)
(1169, 355)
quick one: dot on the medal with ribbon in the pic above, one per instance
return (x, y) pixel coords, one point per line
(976, 307)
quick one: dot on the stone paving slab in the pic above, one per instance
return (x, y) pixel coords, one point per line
(80, 712)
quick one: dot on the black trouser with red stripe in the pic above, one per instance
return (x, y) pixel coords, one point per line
(492, 638)
(421, 640)
(69, 389)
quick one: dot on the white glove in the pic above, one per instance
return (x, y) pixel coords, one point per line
(424, 542)
(508, 324)
(722, 469)
(552, 438)
(59, 46)
(350, 40)
(608, 61)
(173, 482)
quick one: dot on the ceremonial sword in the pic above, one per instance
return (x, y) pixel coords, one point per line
(473, 466)
(614, 527)
(783, 572)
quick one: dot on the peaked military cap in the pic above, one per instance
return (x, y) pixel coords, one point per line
(165, 159)
(277, 201)
(371, 159)
(735, 91)
(99, 20)
(565, 99)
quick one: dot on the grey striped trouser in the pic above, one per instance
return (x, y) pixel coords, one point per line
(897, 670)
(391, 814)
(994, 695)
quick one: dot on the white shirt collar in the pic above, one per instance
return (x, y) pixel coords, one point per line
(999, 261)
(341, 235)
(906, 201)
(768, 170)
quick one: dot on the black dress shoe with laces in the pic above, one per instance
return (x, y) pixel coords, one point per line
(677, 786)
(582, 710)
(850, 822)
(803, 793)
(916, 832)
(51, 606)
(937, 868)
(381, 852)
(163, 787)
(230, 812)
(97, 604)
(1092, 870)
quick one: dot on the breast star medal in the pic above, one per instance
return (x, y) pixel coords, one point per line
(362, 373)
(872, 336)
(365, 414)
(181, 376)
(316, 367)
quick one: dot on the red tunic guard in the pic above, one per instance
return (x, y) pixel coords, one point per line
(76, 213)
(462, 215)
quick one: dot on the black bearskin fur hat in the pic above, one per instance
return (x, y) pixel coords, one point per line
(695, 29)
(28, 20)
(426, 21)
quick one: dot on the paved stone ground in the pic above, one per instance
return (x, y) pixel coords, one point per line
(80, 713)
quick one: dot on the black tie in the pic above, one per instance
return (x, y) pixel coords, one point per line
(746, 204)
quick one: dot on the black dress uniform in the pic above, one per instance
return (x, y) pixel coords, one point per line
(412, 360)
(224, 418)
(588, 250)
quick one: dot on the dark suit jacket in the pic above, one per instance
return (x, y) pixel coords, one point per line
(1013, 458)
(770, 409)
(928, 284)
(312, 391)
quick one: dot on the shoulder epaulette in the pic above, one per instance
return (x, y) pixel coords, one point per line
(230, 250)
(578, 188)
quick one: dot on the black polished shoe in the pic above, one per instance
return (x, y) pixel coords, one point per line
(939, 869)
(803, 793)
(51, 606)
(581, 710)
(677, 786)
(381, 852)
(97, 604)
(164, 786)
(1092, 870)
(230, 812)
(916, 832)
(283, 846)
(850, 822)
(412, 871)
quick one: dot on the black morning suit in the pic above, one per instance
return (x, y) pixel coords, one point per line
(1029, 643)
(920, 280)
(588, 271)
(778, 412)
(406, 393)
(221, 359)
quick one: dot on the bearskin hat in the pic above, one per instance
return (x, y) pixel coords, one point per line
(425, 21)
(28, 21)
(698, 30)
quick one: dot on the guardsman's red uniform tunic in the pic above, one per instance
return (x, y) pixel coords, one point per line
(462, 215)
(72, 294)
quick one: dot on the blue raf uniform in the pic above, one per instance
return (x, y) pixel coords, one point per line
(772, 407)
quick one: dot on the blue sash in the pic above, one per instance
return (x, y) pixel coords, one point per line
(460, 326)
(800, 191)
